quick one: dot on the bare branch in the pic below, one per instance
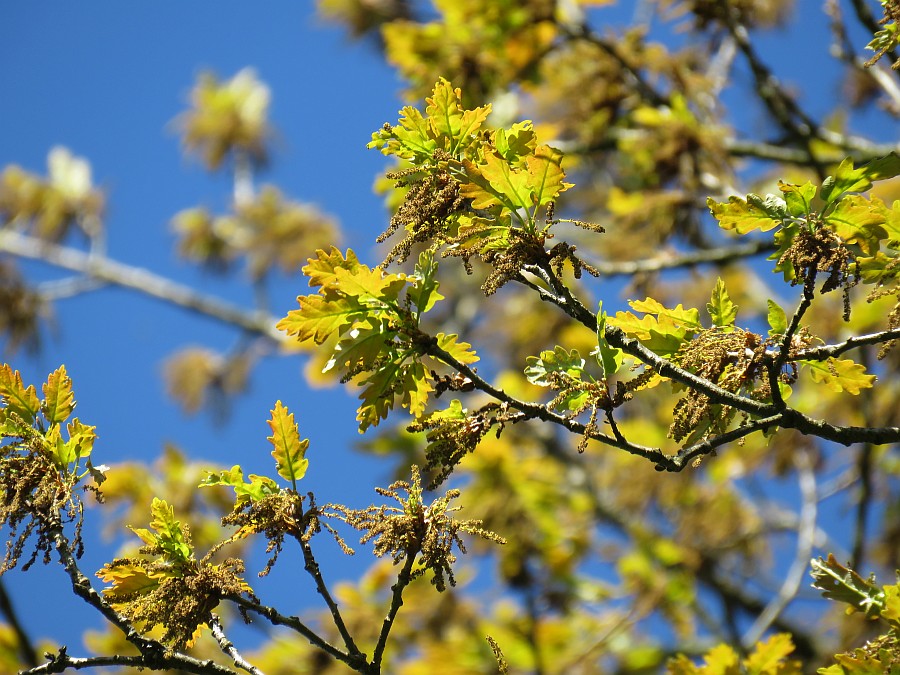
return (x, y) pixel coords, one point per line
(403, 579)
(228, 648)
(137, 279)
(806, 532)
(61, 661)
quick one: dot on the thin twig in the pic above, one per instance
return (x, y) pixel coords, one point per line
(278, 619)
(805, 539)
(403, 580)
(827, 351)
(312, 568)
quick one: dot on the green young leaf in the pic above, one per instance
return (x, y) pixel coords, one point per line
(840, 375)
(461, 351)
(610, 358)
(662, 330)
(451, 125)
(545, 174)
(318, 318)
(721, 309)
(798, 198)
(516, 142)
(168, 535)
(495, 182)
(777, 319)
(424, 293)
(59, 401)
(81, 438)
(416, 387)
(378, 395)
(849, 179)
(362, 346)
(290, 451)
(844, 585)
(860, 221)
(129, 580)
(559, 360)
(16, 397)
(744, 215)
(258, 487)
(321, 269)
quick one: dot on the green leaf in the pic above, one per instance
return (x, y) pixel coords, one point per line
(369, 286)
(319, 318)
(169, 536)
(891, 611)
(610, 358)
(424, 293)
(840, 375)
(743, 216)
(362, 346)
(559, 360)
(777, 319)
(844, 585)
(416, 387)
(849, 179)
(545, 174)
(378, 395)
(321, 269)
(516, 142)
(768, 658)
(798, 198)
(59, 401)
(290, 451)
(860, 221)
(128, 580)
(258, 487)
(452, 126)
(679, 316)
(495, 182)
(721, 309)
(461, 351)
(81, 438)
(17, 398)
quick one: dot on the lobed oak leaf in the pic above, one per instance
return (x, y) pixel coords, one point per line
(452, 126)
(361, 346)
(495, 182)
(721, 309)
(848, 178)
(59, 400)
(318, 318)
(321, 269)
(844, 585)
(128, 580)
(545, 174)
(798, 198)
(840, 375)
(416, 387)
(290, 451)
(461, 351)
(378, 395)
(557, 360)
(742, 216)
(860, 221)
(170, 536)
(258, 487)
(777, 319)
(16, 396)
(367, 285)
(516, 142)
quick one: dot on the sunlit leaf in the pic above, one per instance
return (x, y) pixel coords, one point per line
(461, 351)
(559, 360)
(128, 580)
(545, 174)
(320, 269)
(290, 451)
(610, 358)
(742, 216)
(858, 220)
(424, 294)
(840, 375)
(59, 401)
(721, 309)
(777, 319)
(169, 536)
(798, 197)
(258, 487)
(319, 318)
(16, 396)
(842, 584)
(848, 178)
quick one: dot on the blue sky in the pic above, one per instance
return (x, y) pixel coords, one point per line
(106, 80)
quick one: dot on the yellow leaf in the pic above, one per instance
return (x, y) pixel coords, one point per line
(18, 399)
(840, 375)
(59, 401)
(289, 449)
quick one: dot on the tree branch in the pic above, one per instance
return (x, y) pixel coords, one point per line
(137, 279)
(403, 580)
(25, 647)
(61, 662)
(228, 648)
